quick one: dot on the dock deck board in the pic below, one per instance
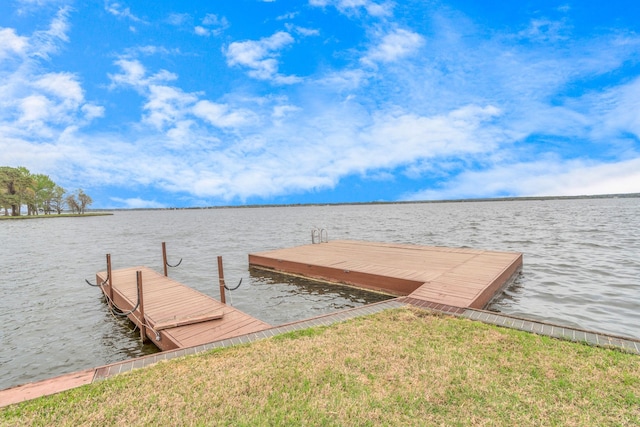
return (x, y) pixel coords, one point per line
(184, 316)
(460, 277)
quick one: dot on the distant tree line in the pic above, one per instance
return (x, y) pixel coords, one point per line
(38, 193)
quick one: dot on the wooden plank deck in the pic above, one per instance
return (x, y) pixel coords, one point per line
(457, 277)
(181, 316)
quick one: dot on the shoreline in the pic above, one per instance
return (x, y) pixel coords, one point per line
(64, 215)
(29, 391)
(400, 202)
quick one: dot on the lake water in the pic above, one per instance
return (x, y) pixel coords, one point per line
(581, 267)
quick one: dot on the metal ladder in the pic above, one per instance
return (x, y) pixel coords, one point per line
(319, 235)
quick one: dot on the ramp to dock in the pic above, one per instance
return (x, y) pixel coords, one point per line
(458, 277)
(179, 316)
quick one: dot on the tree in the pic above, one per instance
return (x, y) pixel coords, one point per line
(43, 188)
(6, 199)
(83, 200)
(72, 203)
(57, 199)
(78, 201)
(37, 192)
(15, 185)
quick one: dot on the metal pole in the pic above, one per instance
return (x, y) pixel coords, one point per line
(143, 329)
(164, 258)
(221, 280)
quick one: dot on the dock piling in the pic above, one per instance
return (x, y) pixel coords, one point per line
(164, 258)
(165, 263)
(221, 280)
(143, 329)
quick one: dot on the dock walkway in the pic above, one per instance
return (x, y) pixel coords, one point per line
(175, 316)
(458, 277)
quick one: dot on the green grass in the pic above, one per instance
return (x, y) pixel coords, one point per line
(398, 367)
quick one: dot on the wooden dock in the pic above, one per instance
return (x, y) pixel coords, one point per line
(458, 277)
(172, 315)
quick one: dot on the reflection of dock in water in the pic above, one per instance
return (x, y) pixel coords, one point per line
(458, 277)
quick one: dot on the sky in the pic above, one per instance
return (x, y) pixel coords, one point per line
(209, 102)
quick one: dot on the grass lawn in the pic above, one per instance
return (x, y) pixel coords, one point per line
(398, 367)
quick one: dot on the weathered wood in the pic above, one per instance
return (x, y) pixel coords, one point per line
(460, 277)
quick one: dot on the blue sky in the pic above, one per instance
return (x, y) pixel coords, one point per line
(204, 103)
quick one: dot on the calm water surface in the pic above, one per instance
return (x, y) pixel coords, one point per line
(581, 267)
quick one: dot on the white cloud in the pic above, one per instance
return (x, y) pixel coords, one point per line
(34, 108)
(25, 7)
(211, 25)
(346, 80)
(178, 19)
(216, 21)
(166, 105)
(46, 42)
(134, 74)
(395, 45)
(286, 16)
(618, 109)
(92, 111)
(11, 43)
(38, 2)
(546, 30)
(62, 85)
(120, 11)
(260, 57)
(392, 139)
(201, 31)
(147, 50)
(546, 177)
(168, 108)
(221, 115)
(280, 111)
(38, 104)
(350, 7)
(305, 32)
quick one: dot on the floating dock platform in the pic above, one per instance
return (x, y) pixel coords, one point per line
(170, 314)
(458, 277)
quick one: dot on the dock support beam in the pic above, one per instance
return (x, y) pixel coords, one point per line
(221, 281)
(143, 328)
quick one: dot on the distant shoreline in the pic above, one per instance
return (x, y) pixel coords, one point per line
(63, 215)
(489, 199)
